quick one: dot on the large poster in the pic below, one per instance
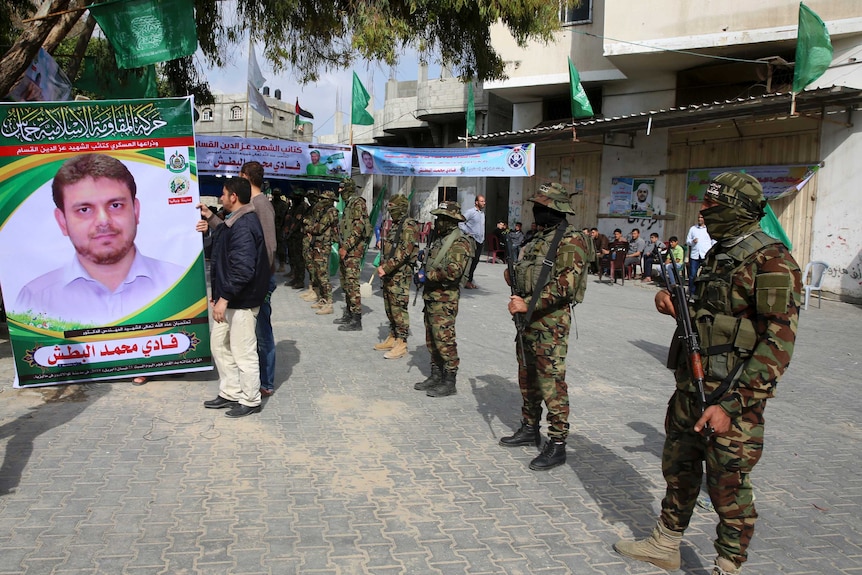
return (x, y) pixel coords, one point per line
(517, 160)
(777, 181)
(101, 268)
(224, 155)
(633, 197)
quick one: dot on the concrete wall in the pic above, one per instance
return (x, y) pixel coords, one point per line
(252, 125)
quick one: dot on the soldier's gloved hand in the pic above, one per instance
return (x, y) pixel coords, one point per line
(421, 256)
(419, 277)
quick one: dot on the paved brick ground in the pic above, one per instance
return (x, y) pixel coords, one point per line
(349, 470)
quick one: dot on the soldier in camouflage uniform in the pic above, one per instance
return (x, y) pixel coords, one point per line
(449, 256)
(542, 366)
(281, 208)
(294, 235)
(398, 251)
(313, 293)
(324, 219)
(354, 233)
(746, 311)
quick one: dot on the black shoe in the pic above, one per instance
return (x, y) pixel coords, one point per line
(345, 317)
(219, 403)
(526, 435)
(431, 380)
(240, 410)
(553, 455)
(445, 388)
(352, 324)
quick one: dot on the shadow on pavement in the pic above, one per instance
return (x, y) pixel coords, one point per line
(499, 398)
(62, 404)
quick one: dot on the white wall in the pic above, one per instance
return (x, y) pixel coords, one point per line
(837, 225)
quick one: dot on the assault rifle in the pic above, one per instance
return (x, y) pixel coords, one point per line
(686, 332)
(518, 318)
(419, 275)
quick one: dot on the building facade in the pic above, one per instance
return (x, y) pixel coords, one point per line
(231, 115)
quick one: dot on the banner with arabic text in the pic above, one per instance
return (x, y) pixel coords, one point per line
(102, 270)
(224, 155)
(777, 181)
(511, 161)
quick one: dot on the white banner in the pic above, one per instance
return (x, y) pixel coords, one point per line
(224, 155)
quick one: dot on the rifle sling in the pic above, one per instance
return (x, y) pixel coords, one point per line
(397, 235)
(547, 264)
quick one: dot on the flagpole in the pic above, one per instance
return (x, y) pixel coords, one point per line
(793, 104)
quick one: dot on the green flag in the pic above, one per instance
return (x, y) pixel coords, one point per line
(471, 111)
(580, 103)
(146, 32)
(769, 224)
(359, 115)
(121, 84)
(813, 49)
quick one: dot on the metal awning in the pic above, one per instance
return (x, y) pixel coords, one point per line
(813, 102)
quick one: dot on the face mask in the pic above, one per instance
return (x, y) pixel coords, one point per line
(444, 225)
(723, 222)
(396, 213)
(545, 217)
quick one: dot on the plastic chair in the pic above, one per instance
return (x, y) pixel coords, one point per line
(618, 260)
(495, 252)
(817, 270)
(423, 233)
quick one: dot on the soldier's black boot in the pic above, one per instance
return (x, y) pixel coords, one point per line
(553, 455)
(445, 387)
(345, 317)
(526, 435)
(431, 380)
(353, 324)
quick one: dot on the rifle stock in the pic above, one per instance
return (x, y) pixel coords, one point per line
(518, 318)
(687, 332)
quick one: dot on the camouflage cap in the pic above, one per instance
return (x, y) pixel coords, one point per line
(737, 190)
(312, 191)
(328, 195)
(449, 210)
(348, 185)
(399, 201)
(553, 196)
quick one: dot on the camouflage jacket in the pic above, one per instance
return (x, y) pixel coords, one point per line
(746, 315)
(443, 280)
(352, 224)
(405, 246)
(322, 222)
(559, 291)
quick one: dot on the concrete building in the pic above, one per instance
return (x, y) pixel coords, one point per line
(678, 86)
(231, 115)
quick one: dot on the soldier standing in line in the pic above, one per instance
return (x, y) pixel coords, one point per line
(294, 235)
(746, 312)
(355, 231)
(281, 207)
(398, 251)
(313, 293)
(545, 338)
(448, 258)
(323, 230)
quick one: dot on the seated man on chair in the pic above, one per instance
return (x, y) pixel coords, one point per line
(637, 245)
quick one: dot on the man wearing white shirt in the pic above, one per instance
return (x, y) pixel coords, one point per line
(474, 226)
(699, 243)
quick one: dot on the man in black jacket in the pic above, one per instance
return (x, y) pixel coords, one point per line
(239, 274)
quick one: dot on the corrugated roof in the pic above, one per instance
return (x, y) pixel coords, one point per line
(754, 106)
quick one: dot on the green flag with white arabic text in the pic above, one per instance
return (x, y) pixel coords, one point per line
(813, 49)
(359, 115)
(146, 32)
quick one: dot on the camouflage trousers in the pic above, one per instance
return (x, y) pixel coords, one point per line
(440, 333)
(320, 273)
(349, 269)
(543, 376)
(294, 256)
(729, 460)
(396, 298)
(308, 260)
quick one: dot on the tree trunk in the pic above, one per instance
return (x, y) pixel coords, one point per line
(25, 48)
(61, 28)
(80, 48)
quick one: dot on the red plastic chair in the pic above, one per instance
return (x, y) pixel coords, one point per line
(423, 233)
(618, 260)
(495, 252)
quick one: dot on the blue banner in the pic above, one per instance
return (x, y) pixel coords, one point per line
(516, 160)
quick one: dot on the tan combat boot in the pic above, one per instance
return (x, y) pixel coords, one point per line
(386, 344)
(308, 295)
(326, 308)
(318, 304)
(725, 566)
(398, 350)
(661, 548)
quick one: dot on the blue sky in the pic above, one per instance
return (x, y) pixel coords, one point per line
(319, 98)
